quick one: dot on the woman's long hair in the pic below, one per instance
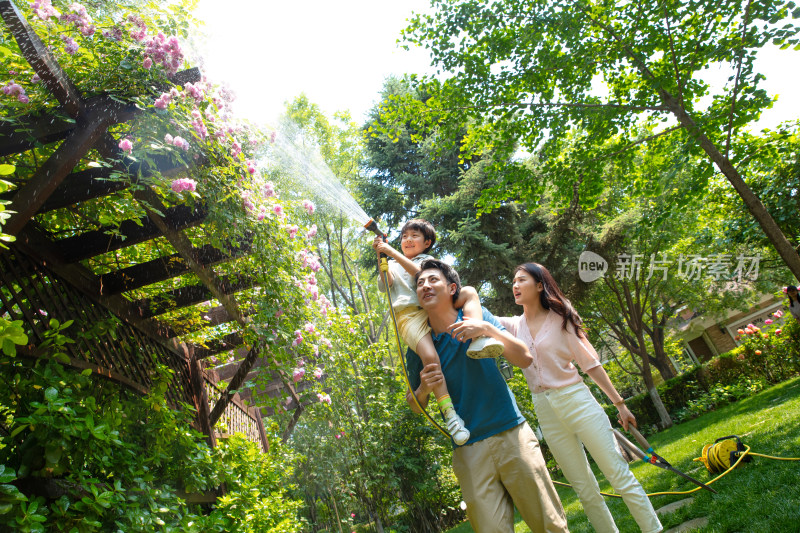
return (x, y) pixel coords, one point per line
(792, 288)
(552, 298)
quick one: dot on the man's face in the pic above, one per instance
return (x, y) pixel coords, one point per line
(433, 290)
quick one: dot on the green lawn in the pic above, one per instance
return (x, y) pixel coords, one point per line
(762, 496)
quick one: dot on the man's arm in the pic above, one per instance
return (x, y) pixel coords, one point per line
(430, 376)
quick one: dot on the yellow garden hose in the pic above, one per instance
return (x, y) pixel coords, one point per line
(384, 268)
(714, 457)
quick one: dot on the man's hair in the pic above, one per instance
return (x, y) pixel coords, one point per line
(449, 273)
(423, 226)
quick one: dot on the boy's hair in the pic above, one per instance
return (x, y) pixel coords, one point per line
(447, 271)
(424, 227)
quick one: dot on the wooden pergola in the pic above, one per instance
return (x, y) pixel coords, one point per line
(43, 277)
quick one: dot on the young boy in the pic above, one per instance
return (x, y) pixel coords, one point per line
(417, 238)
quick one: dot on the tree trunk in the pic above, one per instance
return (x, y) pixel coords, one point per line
(666, 420)
(751, 201)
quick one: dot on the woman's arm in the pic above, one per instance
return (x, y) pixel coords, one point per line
(599, 376)
(515, 351)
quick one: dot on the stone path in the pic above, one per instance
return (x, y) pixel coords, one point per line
(690, 525)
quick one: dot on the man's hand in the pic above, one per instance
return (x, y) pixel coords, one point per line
(430, 377)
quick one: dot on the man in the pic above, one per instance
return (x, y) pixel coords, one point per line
(501, 465)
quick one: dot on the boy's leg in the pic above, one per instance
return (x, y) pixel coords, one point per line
(455, 425)
(482, 347)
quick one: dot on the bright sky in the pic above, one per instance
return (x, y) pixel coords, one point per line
(337, 53)
(340, 53)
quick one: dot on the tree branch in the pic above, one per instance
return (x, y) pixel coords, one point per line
(740, 56)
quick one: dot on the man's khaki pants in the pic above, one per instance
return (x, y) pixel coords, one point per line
(505, 470)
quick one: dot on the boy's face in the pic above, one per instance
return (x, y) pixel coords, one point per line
(413, 243)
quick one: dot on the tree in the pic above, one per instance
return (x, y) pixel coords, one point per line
(527, 72)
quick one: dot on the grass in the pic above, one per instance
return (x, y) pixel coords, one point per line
(762, 496)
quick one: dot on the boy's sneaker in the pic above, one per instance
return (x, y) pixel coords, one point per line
(457, 429)
(485, 347)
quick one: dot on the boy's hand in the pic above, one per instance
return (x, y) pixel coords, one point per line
(382, 248)
(467, 329)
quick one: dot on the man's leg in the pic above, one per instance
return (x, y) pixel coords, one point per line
(524, 474)
(489, 507)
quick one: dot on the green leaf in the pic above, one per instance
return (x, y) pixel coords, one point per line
(5, 169)
(51, 394)
(7, 475)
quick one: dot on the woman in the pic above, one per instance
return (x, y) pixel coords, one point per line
(570, 417)
(794, 302)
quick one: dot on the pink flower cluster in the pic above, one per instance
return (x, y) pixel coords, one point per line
(184, 184)
(298, 373)
(269, 189)
(309, 206)
(325, 398)
(198, 124)
(165, 98)
(195, 91)
(165, 52)
(44, 9)
(318, 373)
(293, 231)
(309, 327)
(312, 232)
(13, 88)
(80, 18)
(298, 338)
(140, 30)
(310, 260)
(126, 145)
(70, 46)
(178, 141)
(115, 34)
(236, 149)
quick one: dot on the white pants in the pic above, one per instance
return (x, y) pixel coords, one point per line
(571, 419)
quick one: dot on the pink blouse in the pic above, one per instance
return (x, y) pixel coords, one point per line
(553, 351)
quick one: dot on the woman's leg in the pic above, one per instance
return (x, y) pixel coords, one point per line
(568, 452)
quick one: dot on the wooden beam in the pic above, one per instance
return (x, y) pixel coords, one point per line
(190, 295)
(30, 131)
(143, 274)
(216, 346)
(29, 199)
(128, 233)
(234, 384)
(97, 182)
(40, 58)
(36, 245)
(292, 423)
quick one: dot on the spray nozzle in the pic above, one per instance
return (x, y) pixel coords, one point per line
(373, 227)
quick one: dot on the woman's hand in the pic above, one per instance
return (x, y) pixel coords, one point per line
(467, 329)
(625, 417)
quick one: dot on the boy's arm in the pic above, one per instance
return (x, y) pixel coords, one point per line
(385, 248)
(469, 301)
(380, 247)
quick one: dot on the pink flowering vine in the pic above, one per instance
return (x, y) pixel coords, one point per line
(309, 206)
(324, 398)
(126, 145)
(13, 88)
(298, 374)
(184, 184)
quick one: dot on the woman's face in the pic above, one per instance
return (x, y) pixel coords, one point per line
(525, 288)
